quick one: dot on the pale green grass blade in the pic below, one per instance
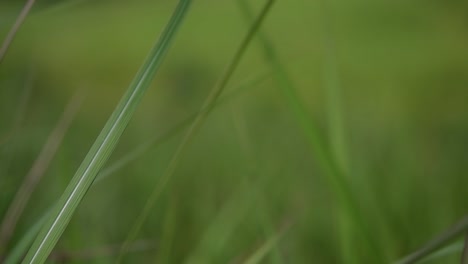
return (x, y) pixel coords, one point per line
(334, 174)
(26, 240)
(38, 169)
(464, 257)
(265, 249)
(205, 109)
(90, 254)
(264, 218)
(432, 246)
(336, 129)
(215, 238)
(333, 90)
(248, 196)
(104, 144)
(443, 252)
(159, 139)
(14, 29)
(17, 253)
(168, 234)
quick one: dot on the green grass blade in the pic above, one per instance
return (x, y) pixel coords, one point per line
(223, 227)
(26, 240)
(268, 246)
(14, 29)
(434, 245)
(250, 195)
(325, 158)
(36, 172)
(159, 139)
(17, 253)
(336, 126)
(448, 250)
(104, 144)
(253, 161)
(19, 112)
(333, 89)
(464, 257)
(197, 122)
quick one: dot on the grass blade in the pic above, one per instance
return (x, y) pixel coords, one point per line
(333, 89)
(26, 240)
(12, 33)
(325, 158)
(443, 252)
(17, 253)
(159, 139)
(104, 144)
(87, 255)
(437, 243)
(36, 172)
(464, 257)
(336, 126)
(20, 111)
(224, 224)
(197, 122)
(268, 246)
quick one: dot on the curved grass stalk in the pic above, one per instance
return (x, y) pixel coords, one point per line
(335, 174)
(195, 125)
(104, 144)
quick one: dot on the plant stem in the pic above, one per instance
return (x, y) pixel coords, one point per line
(14, 29)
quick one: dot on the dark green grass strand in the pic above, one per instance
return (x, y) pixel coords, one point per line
(208, 105)
(336, 176)
(437, 243)
(104, 144)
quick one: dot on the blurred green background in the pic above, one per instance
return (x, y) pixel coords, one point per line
(399, 75)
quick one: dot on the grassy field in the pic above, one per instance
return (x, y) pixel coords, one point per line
(341, 136)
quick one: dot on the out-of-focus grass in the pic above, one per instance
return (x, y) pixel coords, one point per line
(402, 69)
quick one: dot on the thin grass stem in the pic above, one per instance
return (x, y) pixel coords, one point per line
(195, 125)
(432, 246)
(267, 246)
(35, 174)
(330, 166)
(14, 29)
(20, 110)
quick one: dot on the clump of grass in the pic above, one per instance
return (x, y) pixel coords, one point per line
(104, 144)
(331, 155)
(195, 125)
(20, 248)
(332, 160)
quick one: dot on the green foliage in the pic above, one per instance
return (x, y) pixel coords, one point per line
(351, 148)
